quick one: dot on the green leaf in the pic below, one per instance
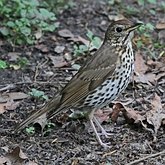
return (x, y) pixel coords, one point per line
(141, 2)
(10, 24)
(139, 43)
(45, 97)
(37, 93)
(149, 26)
(90, 35)
(47, 15)
(96, 42)
(4, 31)
(30, 130)
(153, 12)
(152, 1)
(83, 48)
(25, 30)
(3, 64)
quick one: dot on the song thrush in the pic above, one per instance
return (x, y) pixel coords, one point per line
(100, 80)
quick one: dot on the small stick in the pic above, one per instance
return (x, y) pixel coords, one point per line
(10, 86)
(144, 158)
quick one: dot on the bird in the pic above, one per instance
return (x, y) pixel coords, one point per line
(99, 81)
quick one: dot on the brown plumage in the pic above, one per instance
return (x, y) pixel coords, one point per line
(100, 80)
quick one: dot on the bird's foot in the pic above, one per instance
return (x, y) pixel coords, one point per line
(105, 133)
(105, 145)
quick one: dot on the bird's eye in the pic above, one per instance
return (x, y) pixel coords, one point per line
(119, 29)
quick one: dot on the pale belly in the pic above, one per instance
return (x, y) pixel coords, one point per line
(110, 89)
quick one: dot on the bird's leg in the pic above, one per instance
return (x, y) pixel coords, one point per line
(103, 131)
(91, 115)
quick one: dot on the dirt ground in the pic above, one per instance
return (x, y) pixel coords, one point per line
(72, 142)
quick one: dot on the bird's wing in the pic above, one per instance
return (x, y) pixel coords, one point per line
(90, 76)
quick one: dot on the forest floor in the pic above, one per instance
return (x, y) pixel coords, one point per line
(136, 119)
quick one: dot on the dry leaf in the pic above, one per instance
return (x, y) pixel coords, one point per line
(12, 96)
(17, 95)
(140, 65)
(145, 78)
(58, 61)
(116, 110)
(160, 26)
(2, 108)
(42, 47)
(155, 116)
(59, 49)
(103, 115)
(38, 34)
(116, 17)
(130, 115)
(80, 39)
(71, 37)
(16, 156)
(65, 33)
(14, 56)
(5, 161)
(68, 57)
(161, 38)
(10, 105)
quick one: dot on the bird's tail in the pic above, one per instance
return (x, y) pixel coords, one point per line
(51, 107)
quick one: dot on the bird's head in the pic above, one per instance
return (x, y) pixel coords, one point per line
(121, 32)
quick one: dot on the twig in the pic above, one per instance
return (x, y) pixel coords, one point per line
(144, 158)
(9, 86)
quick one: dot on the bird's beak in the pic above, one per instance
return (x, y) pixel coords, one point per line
(135, 26)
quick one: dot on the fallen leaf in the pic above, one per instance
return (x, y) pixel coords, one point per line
(160, 25)
(154, 64)
(14, 56)
(130, 114)
(10, 105)
(42, 47)
(116, 110)
(80, 39)
(16, 156)
(116, 17)
(71, 37)
(103, 114)
(141, 74)
(155, 116)
(38, 34)
(161, 37)
(68, 57)
(2, 108)
(140, 66)
(59, 49)
(5, 161)
(65, 33)
(58, 61)
(12, 96)
(6, 148)
(145, 78)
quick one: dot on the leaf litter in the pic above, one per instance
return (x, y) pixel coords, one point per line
(154, 117)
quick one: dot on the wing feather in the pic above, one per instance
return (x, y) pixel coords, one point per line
(90, 76)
